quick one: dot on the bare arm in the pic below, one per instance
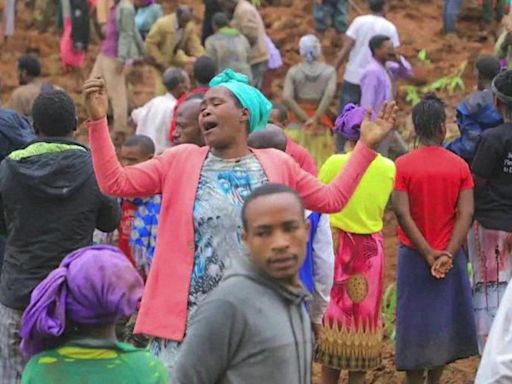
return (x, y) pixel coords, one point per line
(348, 43)
(465, 208)
(289, 97)
(411, 230)
(327, 96)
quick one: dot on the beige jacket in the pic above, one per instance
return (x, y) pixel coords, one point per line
(247, 20)
(166, 48)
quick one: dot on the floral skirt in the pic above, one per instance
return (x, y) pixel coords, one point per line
(352, 328)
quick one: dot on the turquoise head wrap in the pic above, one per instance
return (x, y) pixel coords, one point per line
(251, 98)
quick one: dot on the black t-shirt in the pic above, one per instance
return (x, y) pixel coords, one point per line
(493, 162)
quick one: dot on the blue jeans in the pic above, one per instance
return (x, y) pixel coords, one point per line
(451, 12)
(350, 93)
(331, 13)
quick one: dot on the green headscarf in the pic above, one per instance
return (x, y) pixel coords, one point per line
(251, 98)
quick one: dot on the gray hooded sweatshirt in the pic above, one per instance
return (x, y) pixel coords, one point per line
(250, 330)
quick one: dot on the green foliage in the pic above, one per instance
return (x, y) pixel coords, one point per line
(423, 57)
(389, 310)
(256, 3)
(411, 94)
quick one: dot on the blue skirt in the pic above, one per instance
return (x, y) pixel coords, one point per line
(435, 324)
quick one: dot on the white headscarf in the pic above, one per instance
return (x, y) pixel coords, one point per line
(310, 48)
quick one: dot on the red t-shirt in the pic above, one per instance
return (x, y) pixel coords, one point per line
(301, 156)
(433, 178)
(125, 228)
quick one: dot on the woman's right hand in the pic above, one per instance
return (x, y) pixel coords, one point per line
(96, 99)
(374, 132)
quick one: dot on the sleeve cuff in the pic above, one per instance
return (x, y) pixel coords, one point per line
(96, 124)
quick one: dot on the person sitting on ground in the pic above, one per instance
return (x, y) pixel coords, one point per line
(31, 85)
(228, 47)
(173, 40)
(309, 88)
(201, 210)
(188, 130)
(351, 336)
(148, 12)
(248, 21)
(378, 85)
(239, 336)
(50, 204)
(279, 117)
(477, 112)
(203, 71)
(316, 273)
(154, 117)
(93, 288)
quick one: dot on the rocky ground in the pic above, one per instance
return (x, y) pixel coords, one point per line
(419, 25)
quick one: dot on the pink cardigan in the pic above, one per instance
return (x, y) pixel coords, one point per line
(175, 174)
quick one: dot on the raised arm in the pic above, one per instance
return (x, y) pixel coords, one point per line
(140, 180)
(333, 197)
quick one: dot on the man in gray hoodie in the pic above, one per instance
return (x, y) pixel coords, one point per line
(254, 327)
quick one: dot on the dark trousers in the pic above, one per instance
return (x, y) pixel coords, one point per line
(350, 93)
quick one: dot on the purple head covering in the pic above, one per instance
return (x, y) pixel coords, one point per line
(92, 285)
(349, 122)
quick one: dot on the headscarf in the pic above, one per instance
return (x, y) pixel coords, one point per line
(310, 48)
(92, 285)
(349, 121)
(251, 98)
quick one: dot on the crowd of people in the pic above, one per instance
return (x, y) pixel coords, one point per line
(212, 235)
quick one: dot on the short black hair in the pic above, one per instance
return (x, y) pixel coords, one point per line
(173, 77)
(266, 190)
(30, 64)
(377, 41)
(282, 112)
(428, 117)
(376, 5)
(204, 69)
(142, 141)
(220, 20)
(270, 137)
(503, 84)
(488, 67)
(54, 113)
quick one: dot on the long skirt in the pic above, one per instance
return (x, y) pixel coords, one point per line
(351, 335)
(434, 317)
(319, 143)
(69, 56)
(490, 255)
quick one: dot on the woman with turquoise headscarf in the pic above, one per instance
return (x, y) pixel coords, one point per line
(203, 189)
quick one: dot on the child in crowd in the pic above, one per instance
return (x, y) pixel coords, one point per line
(433, 200)
(352, 327)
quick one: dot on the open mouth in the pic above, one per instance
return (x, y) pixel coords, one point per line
(209, 125)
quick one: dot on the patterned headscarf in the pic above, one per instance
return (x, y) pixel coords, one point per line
(92, 285)
(251, 98)
(349, 121)
(310, 48)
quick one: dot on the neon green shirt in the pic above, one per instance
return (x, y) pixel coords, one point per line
(77, 364)
(364, 212)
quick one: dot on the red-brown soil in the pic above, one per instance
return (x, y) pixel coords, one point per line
(419, 25)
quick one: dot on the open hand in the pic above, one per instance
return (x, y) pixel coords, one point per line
(373, 132)
(96, 99)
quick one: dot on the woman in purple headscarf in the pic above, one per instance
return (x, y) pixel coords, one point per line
(352, 331)
(68, 330)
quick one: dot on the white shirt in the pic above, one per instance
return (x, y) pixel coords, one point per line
(496, 363)
(323, 268)
(362, 29)
(153, 119)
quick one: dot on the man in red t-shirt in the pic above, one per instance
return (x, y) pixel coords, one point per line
(136, 149)
(279, 117)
